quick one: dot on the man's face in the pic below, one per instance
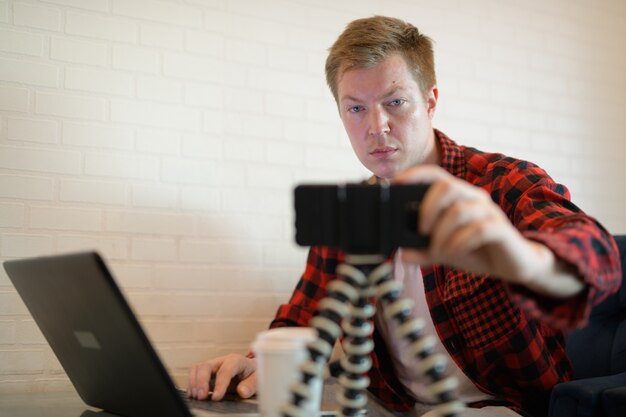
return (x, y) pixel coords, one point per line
(386, 117)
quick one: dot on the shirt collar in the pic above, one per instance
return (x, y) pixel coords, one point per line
(452, 157)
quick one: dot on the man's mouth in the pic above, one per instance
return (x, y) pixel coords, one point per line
(383, 151)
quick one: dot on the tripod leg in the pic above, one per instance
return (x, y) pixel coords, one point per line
(332, 310)
(358, 343)
(430, 365)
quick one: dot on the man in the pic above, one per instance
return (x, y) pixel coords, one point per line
(511, 262)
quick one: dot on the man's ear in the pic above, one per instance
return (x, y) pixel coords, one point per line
(431, 101)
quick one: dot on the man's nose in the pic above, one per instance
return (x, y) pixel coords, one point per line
(378, 122)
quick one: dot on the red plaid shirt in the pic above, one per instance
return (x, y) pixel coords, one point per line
(490, 328)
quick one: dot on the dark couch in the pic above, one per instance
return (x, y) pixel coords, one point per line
(598, 354)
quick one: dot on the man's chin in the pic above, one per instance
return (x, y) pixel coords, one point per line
(385, 174)
(384, 169)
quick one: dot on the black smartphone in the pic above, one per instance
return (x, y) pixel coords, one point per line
(359, 218)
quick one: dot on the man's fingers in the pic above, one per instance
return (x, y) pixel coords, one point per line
(224, 368)
(472, 247)
(458, 216)
(247, 387)
(223, 377)
(203, 376)
(191, 379)
(199, 377)
(439, 196)
(443, 195)
(445, 190)
(415, 256)
(233, 365)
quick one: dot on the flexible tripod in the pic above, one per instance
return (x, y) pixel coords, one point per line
(348, 309)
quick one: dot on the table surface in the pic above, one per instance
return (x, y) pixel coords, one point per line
(46, 404)
(69, 404)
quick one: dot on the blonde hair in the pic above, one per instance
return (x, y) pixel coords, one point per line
(367, 42)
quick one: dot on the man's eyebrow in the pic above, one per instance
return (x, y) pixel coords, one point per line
(348, 97)
(391, 92)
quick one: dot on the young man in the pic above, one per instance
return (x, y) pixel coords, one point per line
(511, 263)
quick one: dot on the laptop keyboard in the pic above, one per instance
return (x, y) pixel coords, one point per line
(227, 406)
(235, 405)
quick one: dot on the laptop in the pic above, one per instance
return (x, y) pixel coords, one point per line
(99, 342)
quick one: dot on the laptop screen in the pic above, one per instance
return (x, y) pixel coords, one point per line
(95, 335)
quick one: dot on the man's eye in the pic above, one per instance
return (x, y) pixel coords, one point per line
(355, 109)
(397, 102)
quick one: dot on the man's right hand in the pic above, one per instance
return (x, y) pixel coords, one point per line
(225, 369)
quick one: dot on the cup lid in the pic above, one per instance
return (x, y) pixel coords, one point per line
(270, 345)
(303, 334)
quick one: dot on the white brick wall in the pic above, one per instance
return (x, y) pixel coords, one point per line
(35, 16)
(79, 51)
(32, 130)
(168, 135)
(14, 99)
(28, 72)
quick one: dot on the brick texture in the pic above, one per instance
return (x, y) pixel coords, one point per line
(168, 135)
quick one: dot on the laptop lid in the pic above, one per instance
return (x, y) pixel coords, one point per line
(95, 335)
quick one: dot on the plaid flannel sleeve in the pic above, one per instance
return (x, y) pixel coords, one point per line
(541, 209)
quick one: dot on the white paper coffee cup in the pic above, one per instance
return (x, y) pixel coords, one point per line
(280, 353)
